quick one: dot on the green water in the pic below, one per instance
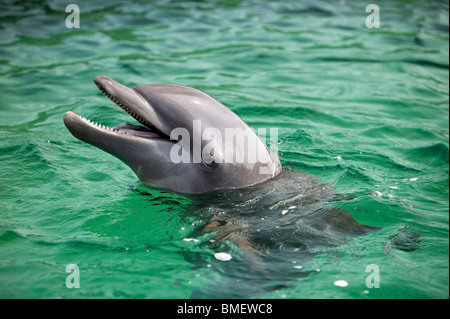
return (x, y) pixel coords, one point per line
(365, 110)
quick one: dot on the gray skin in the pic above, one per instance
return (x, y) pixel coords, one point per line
(161, 108)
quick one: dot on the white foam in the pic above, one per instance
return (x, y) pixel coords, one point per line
(191, 239)
(341, 283)
(222, 256)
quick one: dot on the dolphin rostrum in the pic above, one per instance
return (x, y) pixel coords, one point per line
(189, 142)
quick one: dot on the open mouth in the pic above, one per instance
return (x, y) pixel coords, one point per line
(145, 130)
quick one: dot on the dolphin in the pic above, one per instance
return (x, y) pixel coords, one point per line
(280, 218)
(188, 142)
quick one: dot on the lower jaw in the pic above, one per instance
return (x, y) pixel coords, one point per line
(136, 130)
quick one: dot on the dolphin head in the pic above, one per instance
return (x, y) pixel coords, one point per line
(187, 142)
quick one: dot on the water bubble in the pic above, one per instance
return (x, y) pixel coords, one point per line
(222, 256)
(341, 283)
(190, 239)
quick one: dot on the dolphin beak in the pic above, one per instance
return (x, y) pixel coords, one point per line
(129, 100)
(117, 139)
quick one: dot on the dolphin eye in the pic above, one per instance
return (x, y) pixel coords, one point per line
(211, 164)
(208, 159)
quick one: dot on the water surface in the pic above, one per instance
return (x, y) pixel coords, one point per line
(364, 110)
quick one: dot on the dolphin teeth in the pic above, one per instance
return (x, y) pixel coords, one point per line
(101, 126)
(126, 109)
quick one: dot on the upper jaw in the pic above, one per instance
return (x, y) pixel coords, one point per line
(130, 101)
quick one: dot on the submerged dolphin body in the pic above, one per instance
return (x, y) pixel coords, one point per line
(272, 231)
(208, 162)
